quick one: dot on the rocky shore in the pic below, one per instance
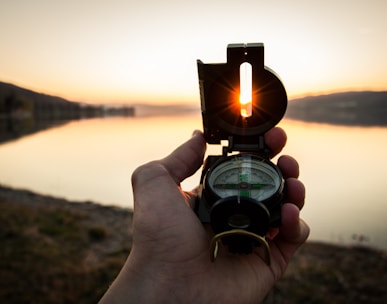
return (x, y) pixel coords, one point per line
(56, 251)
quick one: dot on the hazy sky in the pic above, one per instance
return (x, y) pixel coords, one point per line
(146, 50)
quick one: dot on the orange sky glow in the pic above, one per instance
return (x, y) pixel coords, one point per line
(117, 51)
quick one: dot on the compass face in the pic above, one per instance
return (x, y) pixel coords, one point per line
(244, 175)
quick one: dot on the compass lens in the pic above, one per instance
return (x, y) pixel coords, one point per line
(244, 176)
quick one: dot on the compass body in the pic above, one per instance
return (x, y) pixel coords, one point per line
(241, 191)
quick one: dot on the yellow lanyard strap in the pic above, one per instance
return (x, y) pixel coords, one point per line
(214, 244)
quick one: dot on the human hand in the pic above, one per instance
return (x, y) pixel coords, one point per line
(170, 259)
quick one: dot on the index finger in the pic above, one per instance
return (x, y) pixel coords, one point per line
(275, 139)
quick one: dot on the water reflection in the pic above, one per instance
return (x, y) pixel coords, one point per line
(345, 175)
(15, 128)
(343, 167)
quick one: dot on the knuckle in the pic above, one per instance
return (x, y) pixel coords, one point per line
(146, 172)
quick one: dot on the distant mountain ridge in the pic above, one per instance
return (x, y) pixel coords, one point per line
(18, 102)
(363, 108)
(366, 108)
(21, 103)
(7, 89)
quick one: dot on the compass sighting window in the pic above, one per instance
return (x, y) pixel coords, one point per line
(246, 89)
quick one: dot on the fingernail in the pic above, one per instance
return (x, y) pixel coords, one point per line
(196, 133)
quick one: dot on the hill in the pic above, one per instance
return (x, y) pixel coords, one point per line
(349, 108)
(24, 111)
(17, 102)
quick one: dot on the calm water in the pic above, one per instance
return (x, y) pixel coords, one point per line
(343, 168)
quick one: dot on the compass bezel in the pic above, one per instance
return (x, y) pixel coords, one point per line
(244, 158)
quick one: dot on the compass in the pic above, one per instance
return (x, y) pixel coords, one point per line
(240, 195)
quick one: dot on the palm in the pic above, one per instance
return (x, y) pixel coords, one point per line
(182, 247)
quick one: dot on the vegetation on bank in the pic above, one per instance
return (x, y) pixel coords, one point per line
(55, 251)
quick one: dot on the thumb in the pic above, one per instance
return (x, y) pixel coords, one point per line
(169, 171)
(186, 159)
(155, 185)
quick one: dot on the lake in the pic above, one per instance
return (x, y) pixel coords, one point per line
(344, 168)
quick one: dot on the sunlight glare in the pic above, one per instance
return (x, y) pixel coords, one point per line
(246, 89)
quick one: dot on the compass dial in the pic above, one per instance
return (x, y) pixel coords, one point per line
(244, 175)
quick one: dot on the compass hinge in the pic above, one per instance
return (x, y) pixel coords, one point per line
(254, 145)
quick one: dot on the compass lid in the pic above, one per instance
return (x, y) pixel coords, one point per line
(220, 90)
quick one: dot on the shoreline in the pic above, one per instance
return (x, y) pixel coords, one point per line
(77, 248)
(29, 197)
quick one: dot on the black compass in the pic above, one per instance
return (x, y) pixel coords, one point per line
(240, 195)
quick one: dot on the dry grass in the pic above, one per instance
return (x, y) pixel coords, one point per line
(54, 251)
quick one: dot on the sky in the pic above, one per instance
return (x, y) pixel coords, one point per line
(116, 51)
